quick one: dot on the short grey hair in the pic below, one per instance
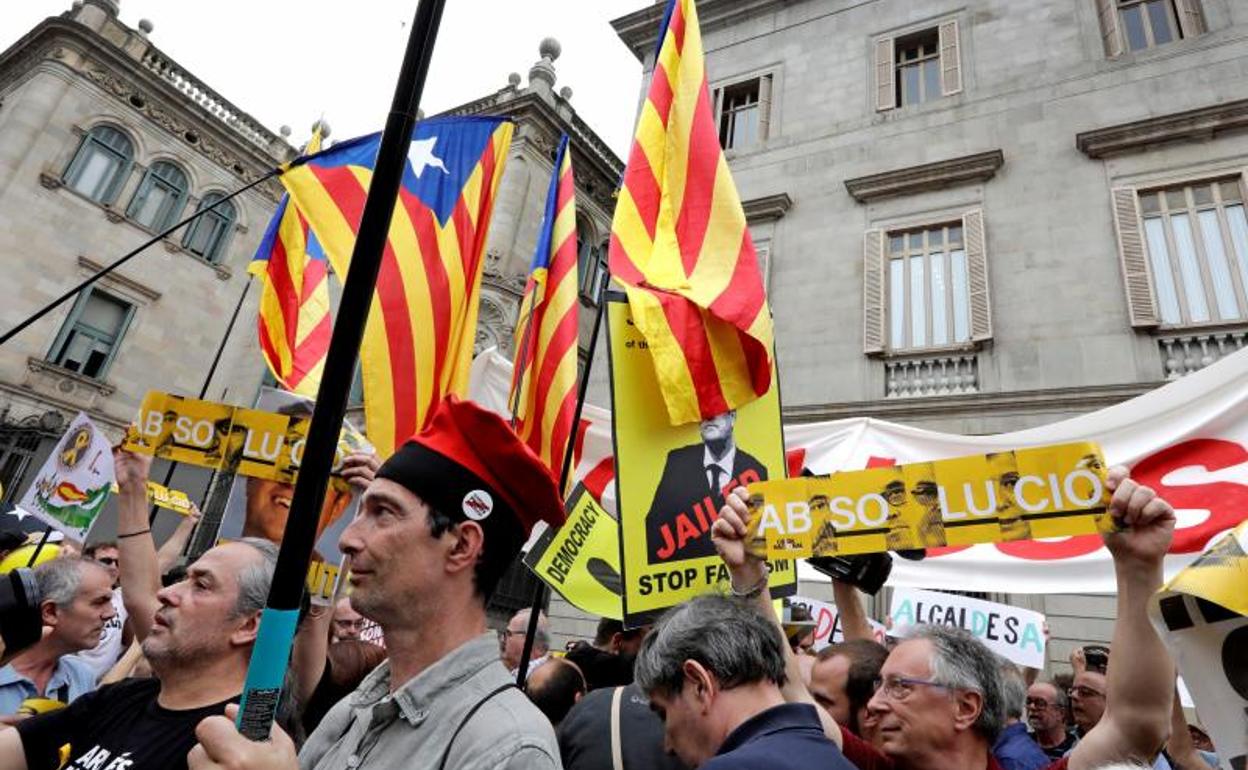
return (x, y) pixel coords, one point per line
(255, 579)
(1013, 690)
(727, 638)
(541, 639)
(962, 662)
(59, 579)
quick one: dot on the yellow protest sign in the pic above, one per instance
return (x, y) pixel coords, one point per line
(671, 479)
(163, 497)
(248, 442)
(581, 560)
(1049, 491)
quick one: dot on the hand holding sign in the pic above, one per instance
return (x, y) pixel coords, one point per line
(1147, 519)
(729, 533)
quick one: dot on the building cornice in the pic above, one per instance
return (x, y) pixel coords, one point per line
(767, 208)
(1197, 125)
(92, 267)
(926, 177)
(1078, 399)
(640, 29)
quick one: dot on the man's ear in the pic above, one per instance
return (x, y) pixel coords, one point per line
(967, 706)
(47, 614)
(700, 684)
(247, 630)
(466, 549)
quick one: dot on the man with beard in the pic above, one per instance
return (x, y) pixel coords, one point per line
(198, 636)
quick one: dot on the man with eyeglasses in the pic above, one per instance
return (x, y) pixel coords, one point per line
(1046, 714)
(939, 700)
(1088, 701)
(511, 642)
(347, 624)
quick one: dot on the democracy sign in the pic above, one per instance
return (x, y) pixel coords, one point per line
(1188, 440)
(672, 479)
(1042, 492)
(1012, 632)
(581, 560)
(72, 486)
(247, 442)
(1202, 614)
(827, 619)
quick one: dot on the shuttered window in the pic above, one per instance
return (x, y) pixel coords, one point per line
(917, 67)
(926, 288)
(1137, 25)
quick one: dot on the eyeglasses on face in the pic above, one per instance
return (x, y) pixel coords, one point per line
(1035, 704)
(507, 633)
(108, 561)
(901, 687)
(1083, 691)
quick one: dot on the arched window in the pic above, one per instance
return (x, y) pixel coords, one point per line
(160, 196)
(208, 234)
(100, 166)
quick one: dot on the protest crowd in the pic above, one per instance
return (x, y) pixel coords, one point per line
(119, 652)
(147, 676)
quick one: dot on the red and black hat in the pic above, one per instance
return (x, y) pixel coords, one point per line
(469, 464)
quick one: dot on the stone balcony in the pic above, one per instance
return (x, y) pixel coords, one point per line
(934, 375)
(1183, 354)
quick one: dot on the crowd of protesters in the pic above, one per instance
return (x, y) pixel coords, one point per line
(136, 670)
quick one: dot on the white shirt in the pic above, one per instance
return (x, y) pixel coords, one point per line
(106, 653)
(724, 463)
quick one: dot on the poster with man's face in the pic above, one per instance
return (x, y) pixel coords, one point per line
(672, 480)
(259, 507)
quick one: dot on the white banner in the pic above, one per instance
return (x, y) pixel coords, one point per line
(75, 481)
(1188, 440)
(1011, 632)
(828, 628)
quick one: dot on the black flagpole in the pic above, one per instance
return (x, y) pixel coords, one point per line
(48, 308)
(272, 648)
(539, 593)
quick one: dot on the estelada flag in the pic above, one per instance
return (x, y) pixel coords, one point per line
(680, 245)
(418, 343)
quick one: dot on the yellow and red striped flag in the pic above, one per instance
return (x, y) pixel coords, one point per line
(293, 323)
(417, 346)
(543, 384)
(680, 245)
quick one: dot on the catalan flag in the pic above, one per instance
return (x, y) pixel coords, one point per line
(294, 322)
(680, 246)
(543, 386)
(422, 324)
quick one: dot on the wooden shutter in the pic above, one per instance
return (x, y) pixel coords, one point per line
(873, 291)
(1111, 37)
(950, 59)
(1191, 20)
(764, 107)
(885, 75)
(974, 241)
(1136, 276)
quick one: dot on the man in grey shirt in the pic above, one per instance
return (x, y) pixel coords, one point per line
(436, 529)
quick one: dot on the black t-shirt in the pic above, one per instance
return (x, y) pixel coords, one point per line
(601, 668)
(115, 720)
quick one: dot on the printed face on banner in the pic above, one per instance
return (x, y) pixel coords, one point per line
(74, 483)
(581, 560)
(1000, 497)
(672, 479)
(259, 507)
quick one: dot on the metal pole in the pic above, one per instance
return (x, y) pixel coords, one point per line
(271, 652)
(48, 308)
(539, 593)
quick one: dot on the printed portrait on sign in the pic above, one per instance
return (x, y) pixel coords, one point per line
(1009, 515)
(691, 491)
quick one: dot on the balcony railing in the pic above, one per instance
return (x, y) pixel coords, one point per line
(946, 375)
(216, 105)
(1183, 354)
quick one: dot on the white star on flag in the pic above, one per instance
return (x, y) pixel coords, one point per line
(420, 155)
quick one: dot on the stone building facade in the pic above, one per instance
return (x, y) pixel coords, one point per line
(989, 215)
(106, 141)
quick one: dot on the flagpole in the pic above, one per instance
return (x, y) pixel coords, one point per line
(539, 593)
(271, 652)
(48, 308)
(203, 390)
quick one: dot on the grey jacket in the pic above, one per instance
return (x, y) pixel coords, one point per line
(413, 728)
